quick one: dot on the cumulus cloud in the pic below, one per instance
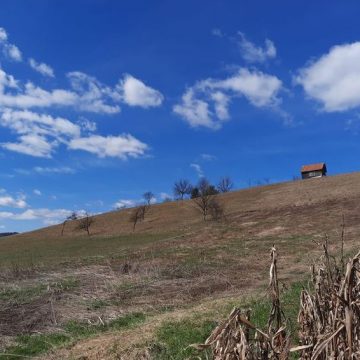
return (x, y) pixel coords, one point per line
(42, 68)
(207, 102)
(122, 146)
(135, 93)
(256, 54)
(37, 192)
(92, 95)
(334, 78)
(38, 134)
(24, 108)
(9, 201)
(86, 94)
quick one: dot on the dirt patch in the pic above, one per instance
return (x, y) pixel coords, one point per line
(27, 318)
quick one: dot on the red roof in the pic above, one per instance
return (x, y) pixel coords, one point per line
(313, 167)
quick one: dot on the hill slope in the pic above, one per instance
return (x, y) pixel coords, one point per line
(171, 265)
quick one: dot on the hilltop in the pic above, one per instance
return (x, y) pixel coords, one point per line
(172, 266)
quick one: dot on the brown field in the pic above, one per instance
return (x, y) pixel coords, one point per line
(172, 266)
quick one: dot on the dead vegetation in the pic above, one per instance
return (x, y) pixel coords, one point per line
(328, 320)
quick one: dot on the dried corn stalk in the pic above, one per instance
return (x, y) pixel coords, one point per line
(329, 319)
(238, 339)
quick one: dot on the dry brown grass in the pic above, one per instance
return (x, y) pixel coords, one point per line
(174, 260)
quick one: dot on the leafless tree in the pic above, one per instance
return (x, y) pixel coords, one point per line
(85, 223)
(137, 215)
(148, 196)
(205, 197)
(225, 185)
(216, 209)
(71, 217)
(182, 188)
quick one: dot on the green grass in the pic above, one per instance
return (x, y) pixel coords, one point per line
(173, 338)
(22, 295)
(33, 345)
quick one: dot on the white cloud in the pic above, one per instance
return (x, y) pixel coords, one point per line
(28, 122)
(9, 201)
(207, 102)
(87, 125)
(195, 111)
(256, 54)
(44, 214)
(165, 196)
(41, 68)
(38, 134)
(33, 145)
(6, 214)
(32, 214)
(92, 95)
(122, 146)
(124, 204)
(208, 157)
(198, 170)
(3, 35)
(54, 170)
(136, 93)
(37, 192)
(13, 52)
(9, 50)
(334, 78)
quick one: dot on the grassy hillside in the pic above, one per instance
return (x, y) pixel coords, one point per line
(75, 290)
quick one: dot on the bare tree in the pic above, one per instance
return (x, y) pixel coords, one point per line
(71, 217)
(216, 209)
(205, 197)
(182, 188)
(137, 215)
(148, 196)
(225, 185)
(85, 223)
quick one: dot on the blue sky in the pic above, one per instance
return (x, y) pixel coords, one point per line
(103, 100)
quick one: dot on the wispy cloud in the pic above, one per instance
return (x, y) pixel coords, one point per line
(198, 170)
(42, 68)
(252, 53)
(54, 170)
(11, 51)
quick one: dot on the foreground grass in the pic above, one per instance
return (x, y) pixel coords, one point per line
(173, 339)
(33, 345)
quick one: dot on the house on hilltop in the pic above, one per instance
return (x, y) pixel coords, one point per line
(313, 171)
